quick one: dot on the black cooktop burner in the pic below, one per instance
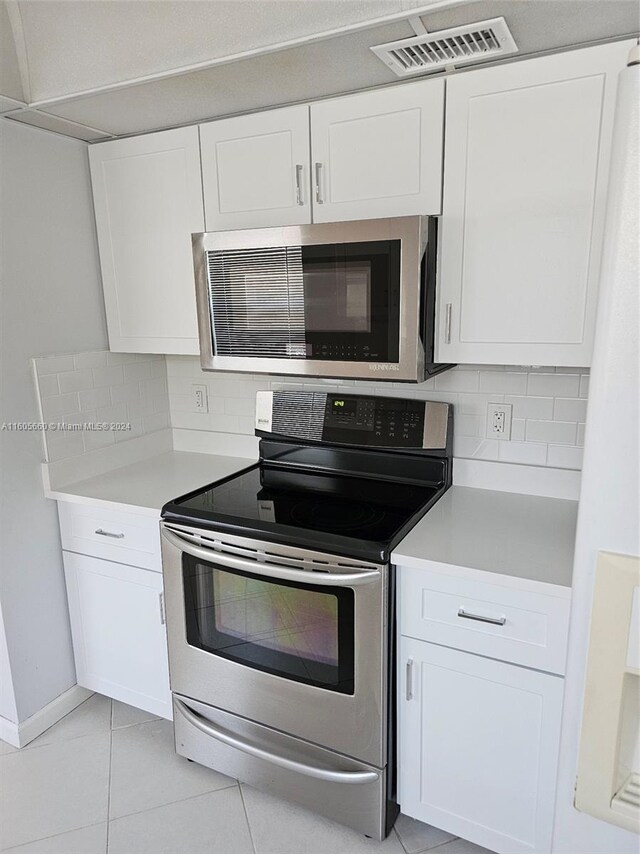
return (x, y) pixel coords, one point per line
(344, 514)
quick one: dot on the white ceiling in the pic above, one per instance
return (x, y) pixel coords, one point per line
(127, 66)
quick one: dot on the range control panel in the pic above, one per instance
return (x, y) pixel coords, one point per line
(382, 422)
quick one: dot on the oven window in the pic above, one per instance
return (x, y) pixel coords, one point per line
(303, 632)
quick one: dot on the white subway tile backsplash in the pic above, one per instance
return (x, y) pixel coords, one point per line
(94, 397)
(475, 448)
(526, 453)
(458, 381)
(48, 384)
(518, 429)
(531, 407)
(469, 425)
(75, 381)
(569, 409)
(584, 385)
(65, 385)
(57, 407)
(580, 436)
(239, 406)
(470, 388)
(554, 385)
(108, 376)
(564, 457)
(503, 382)
(83, 361)
(557, 432)
(55, 364)
(125, 393)
(138, 371)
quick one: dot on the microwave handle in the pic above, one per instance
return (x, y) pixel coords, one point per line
(271, 570)
(227, 738)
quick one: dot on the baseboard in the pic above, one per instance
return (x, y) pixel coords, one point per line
(20, 734)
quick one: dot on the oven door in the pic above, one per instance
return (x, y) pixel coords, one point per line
(253, 629)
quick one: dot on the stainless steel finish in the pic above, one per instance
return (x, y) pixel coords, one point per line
(109, 534)
(284, 762)
(409, 679)
(411, 231)
(318, 174)
(359, 806)
(495, 621)
(323, 578)
(299, 197)
(354, 725)
(264, 410)
(161, 604)
(436, 420)
(447, 323)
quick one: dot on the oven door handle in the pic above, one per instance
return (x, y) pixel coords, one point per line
(253, 750)
(272, 570)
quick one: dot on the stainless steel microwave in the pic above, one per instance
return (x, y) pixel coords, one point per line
(347, 299)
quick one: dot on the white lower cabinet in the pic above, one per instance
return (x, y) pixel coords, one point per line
(117, 625)
(478, 746)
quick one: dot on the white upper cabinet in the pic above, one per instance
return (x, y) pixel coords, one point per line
(378, 154)
(525, 183)
(148, 200)
(255, 170)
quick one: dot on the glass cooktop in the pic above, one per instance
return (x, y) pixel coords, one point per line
(337, 513)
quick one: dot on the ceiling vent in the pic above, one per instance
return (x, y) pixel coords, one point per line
(456, 46)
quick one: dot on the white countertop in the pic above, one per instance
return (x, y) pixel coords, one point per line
(145, 486)
(515, 537)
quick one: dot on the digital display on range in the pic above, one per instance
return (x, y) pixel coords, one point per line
(345, 407)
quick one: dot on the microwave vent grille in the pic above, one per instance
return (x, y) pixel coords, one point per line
(456, 46)
(257, 302)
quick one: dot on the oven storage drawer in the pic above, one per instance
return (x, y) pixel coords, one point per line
(522, 627)
(344, 789)
(115, 535)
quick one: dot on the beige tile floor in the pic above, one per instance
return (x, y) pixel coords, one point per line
(106, 779)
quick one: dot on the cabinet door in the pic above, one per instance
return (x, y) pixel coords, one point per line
(526, 168)
(117, 626)
(147, 193)
(378, 154)
(255, 170)
(478, 747)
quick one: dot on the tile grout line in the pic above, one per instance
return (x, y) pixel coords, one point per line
(246, 815)
(171, 803)
(52, 836)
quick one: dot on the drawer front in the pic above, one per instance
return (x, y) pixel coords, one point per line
(111, 534)
(499, 622)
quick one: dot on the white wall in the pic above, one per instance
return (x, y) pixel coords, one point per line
(50, 302)
(610, 494)
(549, 406)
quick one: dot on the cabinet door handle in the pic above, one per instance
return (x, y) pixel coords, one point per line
(108, 534)
(299, 197)
(495, 621)
(318, 171)
(409, 679)
(447, 324)
(161, 604)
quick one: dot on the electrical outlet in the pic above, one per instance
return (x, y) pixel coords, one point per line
(200, 398)
(499, 420)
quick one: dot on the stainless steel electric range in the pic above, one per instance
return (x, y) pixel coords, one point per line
(280, 599)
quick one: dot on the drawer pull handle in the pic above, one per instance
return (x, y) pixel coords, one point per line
(108, 534)
(495, 621)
